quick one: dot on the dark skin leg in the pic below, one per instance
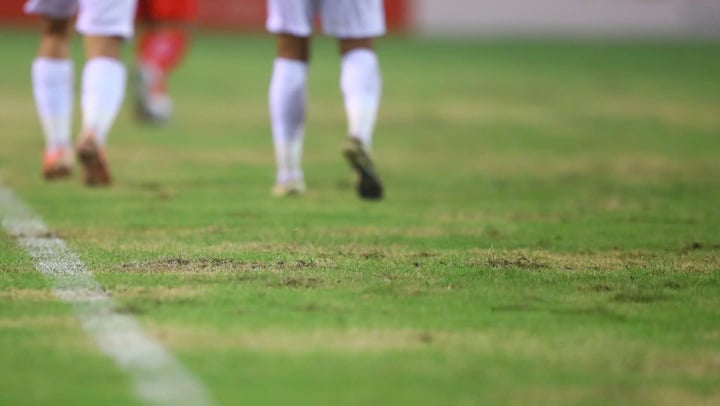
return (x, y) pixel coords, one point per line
(298, 48)
(347, 45)
(55, 38)
(103, 46)
(294, 48)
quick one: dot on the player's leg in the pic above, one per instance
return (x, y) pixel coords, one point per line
(52, 79)
(291, 20)
(105, 24)
(361, 86)
(355, 23)
(163, 41)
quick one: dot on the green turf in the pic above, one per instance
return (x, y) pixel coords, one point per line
(550, 233)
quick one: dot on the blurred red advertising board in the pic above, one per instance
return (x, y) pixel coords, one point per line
(11, 11)
(232, 14)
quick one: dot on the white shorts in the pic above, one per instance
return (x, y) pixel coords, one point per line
(96, 17)
(340, 18)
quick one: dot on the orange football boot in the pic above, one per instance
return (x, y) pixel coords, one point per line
(57, 164)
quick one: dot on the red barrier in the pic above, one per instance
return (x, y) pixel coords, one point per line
(225, 14)
(232, 14)
(11, 11)
(397, 13)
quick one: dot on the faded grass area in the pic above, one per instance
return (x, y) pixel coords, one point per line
(183, 337)
(630, 167)
(216, 265)
(644, 168)
(29, 295)
(188, 156)
(691, 259)
(658, 394)
(666, 112)
(674, 394)
(552, 113)
(687, 260)
(42, 322)
(61, 334)
(351, 340)
(158, 293)
(614, 353)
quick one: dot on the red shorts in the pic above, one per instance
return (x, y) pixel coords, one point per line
(167, 10)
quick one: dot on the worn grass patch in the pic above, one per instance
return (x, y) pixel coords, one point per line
(684, 260)
(210, 264)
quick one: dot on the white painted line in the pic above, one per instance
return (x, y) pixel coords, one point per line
(158, 378)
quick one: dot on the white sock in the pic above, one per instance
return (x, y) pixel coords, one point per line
(103, 90)
(53, 89)
(361, 85)
(288, 98)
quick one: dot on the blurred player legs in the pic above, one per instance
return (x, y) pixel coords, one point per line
(163, 40)
(105, 25)
(354, 23)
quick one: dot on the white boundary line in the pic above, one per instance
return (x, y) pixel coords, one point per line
(158, 378)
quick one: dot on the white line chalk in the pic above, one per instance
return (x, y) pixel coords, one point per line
(158, 378)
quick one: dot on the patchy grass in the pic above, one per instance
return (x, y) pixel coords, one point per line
(550, 233)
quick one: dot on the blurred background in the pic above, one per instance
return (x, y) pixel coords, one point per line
(624, 18)
(550, 233)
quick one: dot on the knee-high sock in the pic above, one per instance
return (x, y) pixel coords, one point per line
(103, 89)
(361, 85)
(288, 96)
(53, 89)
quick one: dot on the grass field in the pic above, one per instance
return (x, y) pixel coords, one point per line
(551, 233)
